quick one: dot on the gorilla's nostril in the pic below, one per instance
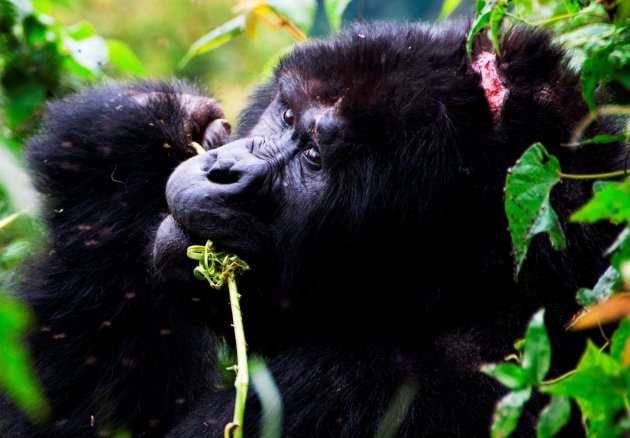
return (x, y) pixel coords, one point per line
(221, 173)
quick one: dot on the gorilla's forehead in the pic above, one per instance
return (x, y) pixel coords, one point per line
(374, 65)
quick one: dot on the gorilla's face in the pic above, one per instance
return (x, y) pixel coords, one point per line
(349, 138)
(240, 194)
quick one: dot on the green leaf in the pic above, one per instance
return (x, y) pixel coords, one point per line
(622, 12)
(335, 9)
(214, 39)
(23, 99)
(90, 52)
(496, 17)
(301, 13)
(604, 139)
(123, 58)
(17, 378)
(591, 36)
(527, 205)
(537, 351)
(606, 285)
(482, 18)
(572, 6)
(620, 54)
(595, 68)
(508, 411)
(42, 6)
(554, 417)
(620, 341)
(611, 202)
(598, 379)
(81, 30)
(448, 7)
(508, 374)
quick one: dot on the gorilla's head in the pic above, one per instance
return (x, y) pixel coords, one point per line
(366, 160)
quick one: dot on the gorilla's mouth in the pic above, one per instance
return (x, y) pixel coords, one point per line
(169, 248)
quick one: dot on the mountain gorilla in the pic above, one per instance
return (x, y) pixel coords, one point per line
(364, 188)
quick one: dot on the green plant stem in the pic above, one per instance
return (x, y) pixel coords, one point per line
(595, 175)
(241, 383)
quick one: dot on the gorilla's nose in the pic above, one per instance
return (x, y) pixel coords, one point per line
(222, 171)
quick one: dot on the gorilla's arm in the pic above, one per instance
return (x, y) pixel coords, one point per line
(117, 347)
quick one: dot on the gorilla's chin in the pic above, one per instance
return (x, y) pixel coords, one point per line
(169, 251)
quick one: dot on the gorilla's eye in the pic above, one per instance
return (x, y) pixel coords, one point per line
(288, 117)
(313, 158)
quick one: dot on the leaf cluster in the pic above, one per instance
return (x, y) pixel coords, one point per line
(597, 36)
(596, 33)
(599, 385)
(40, 58)
(215, 266)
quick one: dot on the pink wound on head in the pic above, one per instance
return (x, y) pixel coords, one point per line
(496, 92)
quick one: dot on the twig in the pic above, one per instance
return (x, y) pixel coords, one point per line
(216, 267)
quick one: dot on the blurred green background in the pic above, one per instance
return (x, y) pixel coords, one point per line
(160, 31)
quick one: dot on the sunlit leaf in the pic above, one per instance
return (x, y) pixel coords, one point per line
(604, 288)
(81, 30)
(482, 18)
(620, 55)
(496, 17)
(42, 6)
(301, 13)
(70, 65)
(572, 6)
(619, 349)
(508, 374)
(603, 139)
(592, 35)
(611, 202)
(537, 350)
(17, 378)
(250, 24)
(335, 9)
(598, 379)
(91, 53)
(448, 7)
(508, 411)
(527, 205)
(123, 58)
(615, 308)
(217, 37)
(554, 417)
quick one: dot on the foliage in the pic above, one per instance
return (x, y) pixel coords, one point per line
(296, 17)
(529, 212)
(597, 34)
(39, 58)
(599, 385)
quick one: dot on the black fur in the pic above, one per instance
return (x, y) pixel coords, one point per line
(389, 268)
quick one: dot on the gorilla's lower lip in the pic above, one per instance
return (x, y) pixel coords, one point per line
(170, 241)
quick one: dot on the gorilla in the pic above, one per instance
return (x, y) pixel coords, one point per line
(364, 187)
